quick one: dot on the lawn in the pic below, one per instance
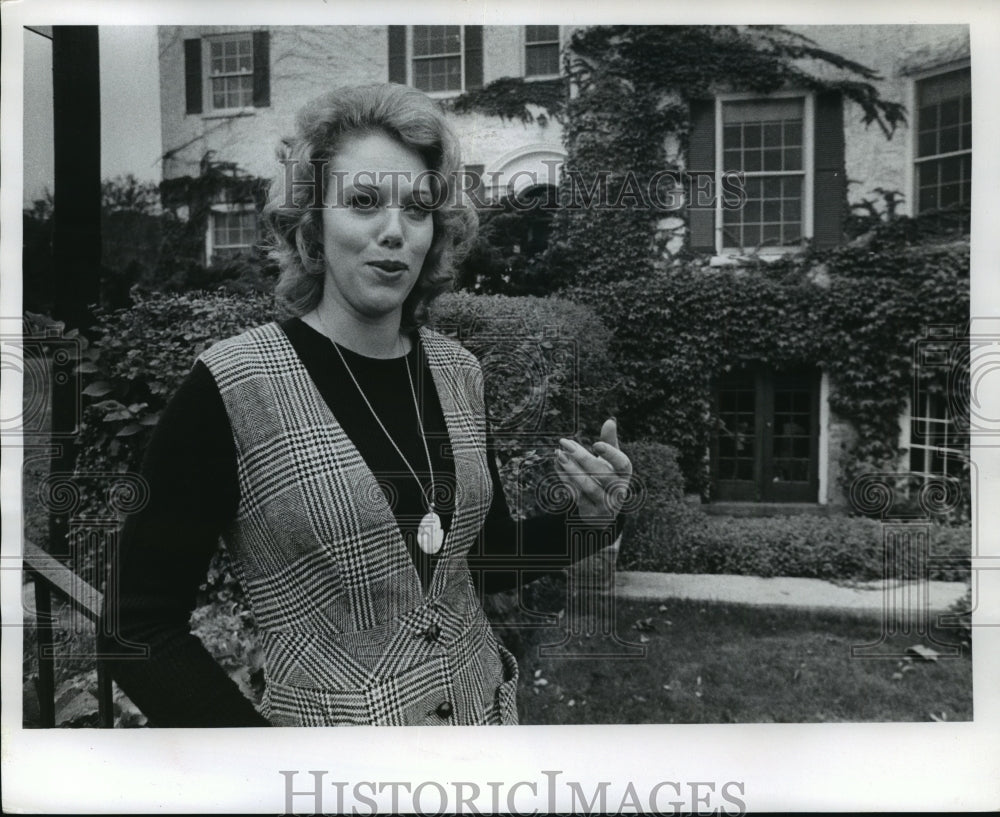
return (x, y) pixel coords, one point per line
(717, 663)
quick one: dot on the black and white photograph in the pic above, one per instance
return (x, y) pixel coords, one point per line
(631, 384)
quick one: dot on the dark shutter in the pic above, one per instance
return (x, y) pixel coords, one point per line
(701, 160)
(397, 54)
(192, 76)
(473, 57)
(830, 183)
(261, 69)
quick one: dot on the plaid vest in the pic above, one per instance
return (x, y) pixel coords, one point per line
(348, 635)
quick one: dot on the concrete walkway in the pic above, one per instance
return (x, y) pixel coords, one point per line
(869, 598)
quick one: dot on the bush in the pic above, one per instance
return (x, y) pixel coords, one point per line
(682, 539)
(547, 375)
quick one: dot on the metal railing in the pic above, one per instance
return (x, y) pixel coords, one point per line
(52, 576)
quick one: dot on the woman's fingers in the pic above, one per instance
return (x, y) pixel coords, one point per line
(585, 481)
(610, 462)
(614, 456)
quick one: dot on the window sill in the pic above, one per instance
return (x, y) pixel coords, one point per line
(442, 94)
(542, 77)
(734, 258)
(229, 113)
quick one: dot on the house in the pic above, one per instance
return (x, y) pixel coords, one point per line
(230, 93)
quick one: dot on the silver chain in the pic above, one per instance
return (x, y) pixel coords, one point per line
(420, 425)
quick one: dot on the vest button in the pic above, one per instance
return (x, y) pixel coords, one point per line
(433, 632)
(444, 710)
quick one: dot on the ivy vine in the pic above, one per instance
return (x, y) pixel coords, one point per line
(509, 98)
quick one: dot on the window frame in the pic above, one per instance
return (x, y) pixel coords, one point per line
(808, 172)
(524, 55)
(910, 206)
(208, 106)
(916, 438)
(410, 57)
(211, 248)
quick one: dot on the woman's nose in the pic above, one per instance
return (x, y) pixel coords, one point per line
(391, 233)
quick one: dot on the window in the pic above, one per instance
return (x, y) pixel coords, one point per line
(230, 71)
(439, 60)
(937, 448)
(541, 51)
(943, 154)
(789, 150)
(233, 230)
(765, 140)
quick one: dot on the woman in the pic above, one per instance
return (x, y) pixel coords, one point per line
(342, 455)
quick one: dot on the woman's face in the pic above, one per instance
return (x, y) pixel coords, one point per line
(375, 233)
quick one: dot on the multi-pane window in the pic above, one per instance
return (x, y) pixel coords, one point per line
(233, 230)
(437, 58)
(943, 169)
(737, 431)
(937, 448)
(764, 139)
(230, 69)
(541, 51)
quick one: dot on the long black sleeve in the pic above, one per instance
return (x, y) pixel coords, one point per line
(164, 554)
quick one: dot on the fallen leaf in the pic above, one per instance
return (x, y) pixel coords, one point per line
(663, 608)
(697, 693)
(571, 702)
(643, 624)
(541, 682)
(643, 639)
(538, 673)
(926, 653)
(668, 687)
(897, 676)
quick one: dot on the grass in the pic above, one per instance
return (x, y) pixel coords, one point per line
(717, 663)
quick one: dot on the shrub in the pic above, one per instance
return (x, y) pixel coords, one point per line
(685, 540)
(547, 374)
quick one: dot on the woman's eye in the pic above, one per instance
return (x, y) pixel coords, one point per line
(417, 210)
(364, 201)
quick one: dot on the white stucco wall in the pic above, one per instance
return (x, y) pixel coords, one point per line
(305, 61)
(895, 53)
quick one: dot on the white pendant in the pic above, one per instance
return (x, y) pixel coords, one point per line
(430, 534)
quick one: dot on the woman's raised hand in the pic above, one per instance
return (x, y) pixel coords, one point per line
(599, 481)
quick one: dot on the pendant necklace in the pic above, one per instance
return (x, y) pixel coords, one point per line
(430, 534)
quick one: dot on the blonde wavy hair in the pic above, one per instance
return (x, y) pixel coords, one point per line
(321, 128)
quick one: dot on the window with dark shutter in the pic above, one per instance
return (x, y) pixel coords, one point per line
(234, 70)
(442, 58)
(790, 153)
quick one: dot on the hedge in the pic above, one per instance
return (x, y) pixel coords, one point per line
(682, 539)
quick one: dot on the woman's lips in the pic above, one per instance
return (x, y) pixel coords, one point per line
(388, 266)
